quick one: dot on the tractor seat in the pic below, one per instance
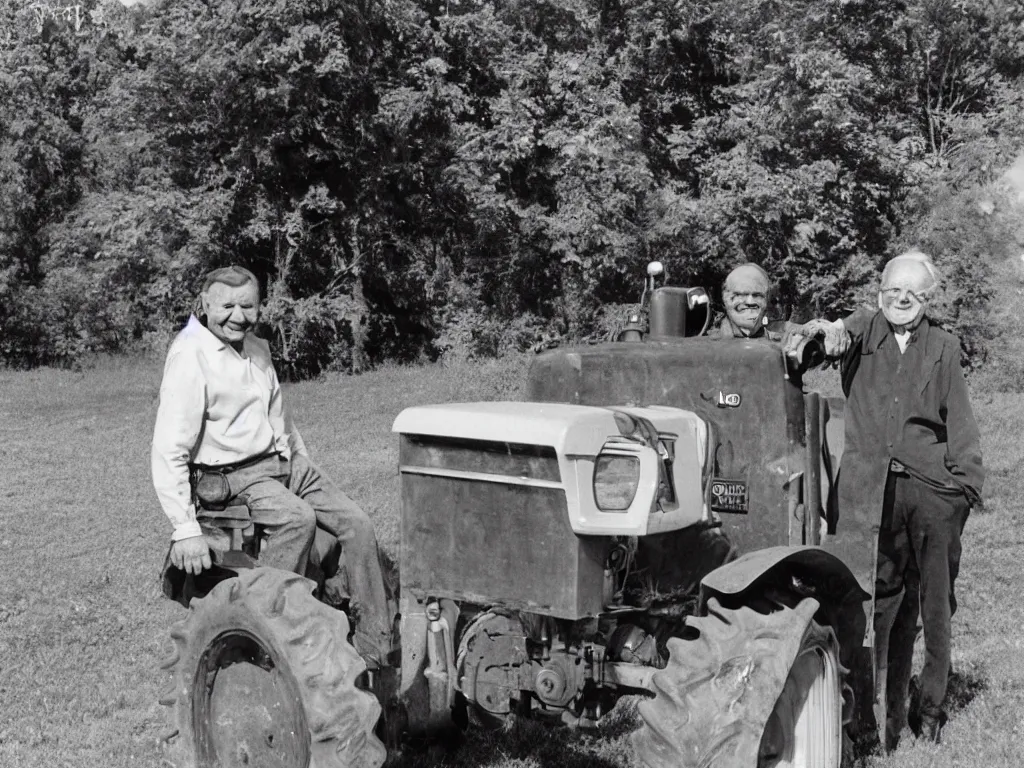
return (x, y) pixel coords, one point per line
(235, 516)
(234, 521)
(232, 528)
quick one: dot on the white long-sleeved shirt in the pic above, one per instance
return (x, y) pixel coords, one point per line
(217, 407)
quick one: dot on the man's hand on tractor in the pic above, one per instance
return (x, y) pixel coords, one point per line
(834, 337)
(191, 555)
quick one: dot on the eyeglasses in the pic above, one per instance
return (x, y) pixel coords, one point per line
(895, 294)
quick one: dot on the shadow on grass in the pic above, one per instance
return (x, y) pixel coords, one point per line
(528, 743)
(961, 690)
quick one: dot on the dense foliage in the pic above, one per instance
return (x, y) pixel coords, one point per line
(417, 177)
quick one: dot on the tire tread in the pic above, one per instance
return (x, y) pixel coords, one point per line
(310, 638)
(712, 700)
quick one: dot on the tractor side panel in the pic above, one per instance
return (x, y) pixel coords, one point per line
(473, 537)
(761, 439)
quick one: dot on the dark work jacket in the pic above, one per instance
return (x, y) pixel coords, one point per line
(912, 407)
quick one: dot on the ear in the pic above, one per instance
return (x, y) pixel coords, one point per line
(200, 307)
(880, 300)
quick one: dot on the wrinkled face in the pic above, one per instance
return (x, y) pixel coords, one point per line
(903, 297)
(746, 297)
(231, 311)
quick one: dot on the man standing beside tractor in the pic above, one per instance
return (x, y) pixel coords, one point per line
(221, 434)
(911, 470)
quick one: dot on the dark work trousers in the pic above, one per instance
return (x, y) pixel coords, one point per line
(919, 554)
(289, 499)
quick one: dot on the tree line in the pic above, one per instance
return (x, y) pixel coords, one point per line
(414, 178)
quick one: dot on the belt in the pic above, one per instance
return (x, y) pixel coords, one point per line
(897, 467)
(226, 469)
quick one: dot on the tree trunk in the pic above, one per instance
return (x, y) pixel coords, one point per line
(360, 312)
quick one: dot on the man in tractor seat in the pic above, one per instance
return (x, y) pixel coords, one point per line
(221, 420)
(912, 470)
(745, 295)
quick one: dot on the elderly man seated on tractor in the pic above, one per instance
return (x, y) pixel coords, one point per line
(221, 417)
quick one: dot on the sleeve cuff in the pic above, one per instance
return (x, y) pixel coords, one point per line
(187, 531)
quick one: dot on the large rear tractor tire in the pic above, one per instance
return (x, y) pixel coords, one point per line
(752, 690)
(263, 675)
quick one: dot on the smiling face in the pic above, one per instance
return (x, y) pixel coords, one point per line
(746, 297)
(903, 297)
(231, 311)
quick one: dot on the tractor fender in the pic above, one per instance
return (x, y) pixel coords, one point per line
(738, 575)
(181, 587)
(835, 586)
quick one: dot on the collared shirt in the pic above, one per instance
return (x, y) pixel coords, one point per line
(911, 405)
(726, 329)
(217, 407)
(769, 331)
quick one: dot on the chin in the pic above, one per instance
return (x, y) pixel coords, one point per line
(229, 335)
(745, 321)
(898, 319)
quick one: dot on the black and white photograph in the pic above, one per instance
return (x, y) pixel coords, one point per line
(511, 383)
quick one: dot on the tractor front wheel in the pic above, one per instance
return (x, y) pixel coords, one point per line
(262, 674)
(752, 689)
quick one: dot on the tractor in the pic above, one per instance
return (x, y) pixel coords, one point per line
(652, 521)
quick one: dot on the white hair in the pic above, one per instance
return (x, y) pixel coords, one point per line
(918, 257)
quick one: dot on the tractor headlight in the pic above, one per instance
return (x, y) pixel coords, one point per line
(616, 479)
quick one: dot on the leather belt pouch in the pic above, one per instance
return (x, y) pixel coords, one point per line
(212, 488)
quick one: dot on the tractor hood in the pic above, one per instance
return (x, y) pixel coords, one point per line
(626, 471)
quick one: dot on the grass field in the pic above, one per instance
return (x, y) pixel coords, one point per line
(83, 623)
